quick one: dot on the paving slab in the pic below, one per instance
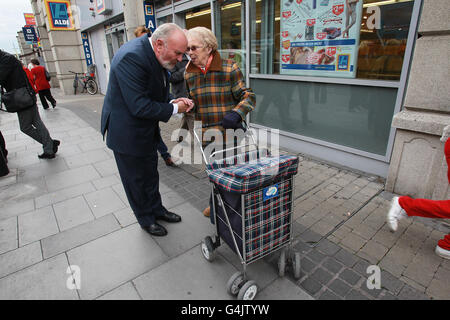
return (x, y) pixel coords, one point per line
(103, 202)
(74, 237)
(19, 259)
(115, 259)
(9, 239)
(46, 280)
(202, 280)
(186, 234)
(124, 292)
(73, 212)
(71, 177)
(37, 225)
(283, 289)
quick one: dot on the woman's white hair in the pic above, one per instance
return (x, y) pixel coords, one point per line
(205, 35)
(164, 31)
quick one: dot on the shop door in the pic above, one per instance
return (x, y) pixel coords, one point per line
(230, 30)
(115, 38)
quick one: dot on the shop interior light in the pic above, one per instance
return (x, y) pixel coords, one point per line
(231, 6)
(234, 5)
(382, 3)
(196, 14)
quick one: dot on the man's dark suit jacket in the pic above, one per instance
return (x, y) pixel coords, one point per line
(136, 100)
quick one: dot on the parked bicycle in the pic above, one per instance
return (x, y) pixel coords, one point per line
(87, 82)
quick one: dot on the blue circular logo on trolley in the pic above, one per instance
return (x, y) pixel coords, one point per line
(270, 192)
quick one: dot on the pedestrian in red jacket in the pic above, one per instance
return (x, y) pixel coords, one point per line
(30, 78)
(404, 207)
(42, 85)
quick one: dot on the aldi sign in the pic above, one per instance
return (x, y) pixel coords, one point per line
(59, 15)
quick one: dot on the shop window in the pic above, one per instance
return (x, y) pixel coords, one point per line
(310, 37)
(162, 3)
(165, 19)
(357, 117)
(230, 31)
(198, 16)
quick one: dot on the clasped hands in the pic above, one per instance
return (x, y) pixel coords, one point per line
(184, 104)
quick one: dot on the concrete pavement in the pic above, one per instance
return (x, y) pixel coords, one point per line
(72, 211)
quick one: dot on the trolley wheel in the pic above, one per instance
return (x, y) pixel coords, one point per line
(235, 283)
(208, 249)
(296, 265)
(282, 263)
(248, 291)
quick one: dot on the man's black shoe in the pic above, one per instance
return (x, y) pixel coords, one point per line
(169, 217)
(46, 156)
(155, 230)
(56, 143)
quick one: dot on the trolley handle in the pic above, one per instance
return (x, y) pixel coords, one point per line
(246, 129)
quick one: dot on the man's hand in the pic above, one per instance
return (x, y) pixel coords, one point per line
(184, 104)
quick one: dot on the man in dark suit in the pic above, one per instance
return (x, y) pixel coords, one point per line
(136, 100)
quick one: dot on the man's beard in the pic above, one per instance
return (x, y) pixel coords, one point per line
(168, 65)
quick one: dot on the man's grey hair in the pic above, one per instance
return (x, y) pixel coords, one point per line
(164, 31)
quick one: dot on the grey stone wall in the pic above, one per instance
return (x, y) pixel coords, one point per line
(62, 50)
(418, 167)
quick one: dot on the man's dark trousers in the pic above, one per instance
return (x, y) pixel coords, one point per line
(140, 180)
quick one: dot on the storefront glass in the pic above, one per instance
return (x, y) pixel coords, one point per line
(380, 44)
(229, 22)
(358, 117)
(199, 16)
(165, 19)
(115, 38)
(162, 3)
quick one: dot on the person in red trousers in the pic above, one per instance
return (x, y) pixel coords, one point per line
(404, 206)
(42, 85)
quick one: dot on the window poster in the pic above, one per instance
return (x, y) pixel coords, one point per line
(320, 37)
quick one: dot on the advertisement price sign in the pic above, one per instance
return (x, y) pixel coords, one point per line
(320, 37)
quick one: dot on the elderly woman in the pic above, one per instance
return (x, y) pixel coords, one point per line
(215, 85)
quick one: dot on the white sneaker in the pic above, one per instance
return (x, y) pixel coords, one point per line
(442, 252)
(395, 214)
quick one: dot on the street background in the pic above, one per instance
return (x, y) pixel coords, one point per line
(72, 211)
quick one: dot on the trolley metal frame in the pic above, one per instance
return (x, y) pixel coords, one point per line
(238, 283)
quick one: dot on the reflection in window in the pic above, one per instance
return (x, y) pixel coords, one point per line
(162, 3)
(165, 19)
(230, 17)
(358, 117)
(198, 17)
(381, 50)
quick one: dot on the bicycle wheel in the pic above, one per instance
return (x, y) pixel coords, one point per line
(91, 86)
(75, 85)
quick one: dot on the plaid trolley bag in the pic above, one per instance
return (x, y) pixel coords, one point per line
(252, 206)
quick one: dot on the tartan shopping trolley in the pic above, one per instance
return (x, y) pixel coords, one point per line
(252, 206)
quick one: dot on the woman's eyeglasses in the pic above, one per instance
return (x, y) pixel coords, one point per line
(193, 48)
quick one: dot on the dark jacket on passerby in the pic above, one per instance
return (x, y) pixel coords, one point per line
(12, 75)
(177, 78)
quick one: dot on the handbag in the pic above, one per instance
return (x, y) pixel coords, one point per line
(47, 75)
(18, 99)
